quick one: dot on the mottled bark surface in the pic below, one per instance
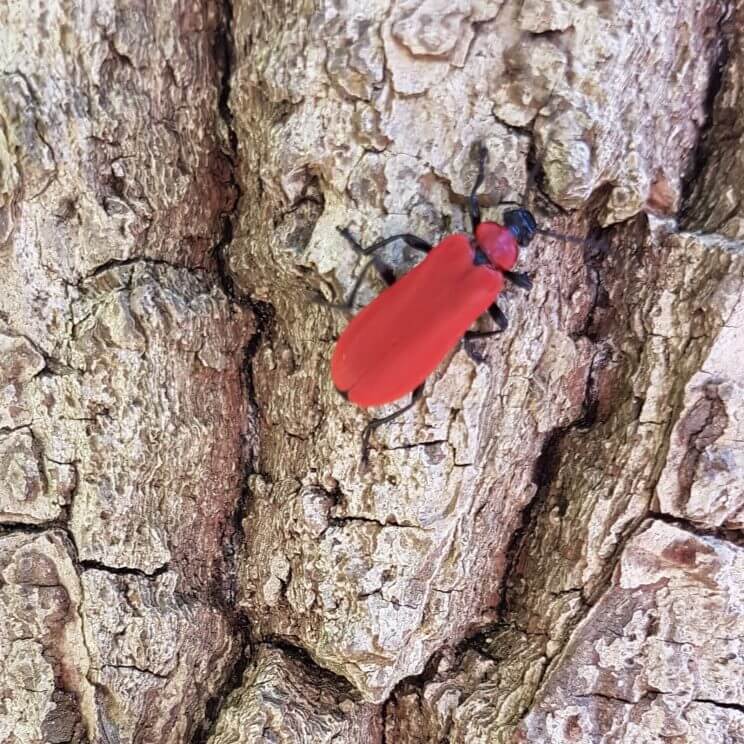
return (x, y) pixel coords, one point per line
(546, 549)
(123, 408)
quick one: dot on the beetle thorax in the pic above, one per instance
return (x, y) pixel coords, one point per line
(498, 243)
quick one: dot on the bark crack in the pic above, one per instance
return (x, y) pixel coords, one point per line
(223, 50)
(343, 519)
(618, 699)
(116, 263)
(701, 154)
(546, 467)
(733, 536)
(707, 421)
(547, 463)
(719, 704)
(135, 668)
(89, 564)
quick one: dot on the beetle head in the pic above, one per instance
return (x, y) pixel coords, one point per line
(521, 224)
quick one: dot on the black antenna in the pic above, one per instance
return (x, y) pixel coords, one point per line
(561, 236)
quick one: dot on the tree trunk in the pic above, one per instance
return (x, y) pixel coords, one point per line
(547, 548)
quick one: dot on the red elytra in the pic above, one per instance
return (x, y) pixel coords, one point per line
(397, 341)
(392, 345)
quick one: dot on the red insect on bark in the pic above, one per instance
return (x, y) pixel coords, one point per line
(392, 345)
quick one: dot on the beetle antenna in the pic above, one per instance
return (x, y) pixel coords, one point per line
(561, 236)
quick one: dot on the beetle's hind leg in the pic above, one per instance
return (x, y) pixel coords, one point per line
(383, 269)
(348, 304)
(377, 422)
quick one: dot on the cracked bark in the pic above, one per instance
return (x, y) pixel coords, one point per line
(124, 418)
(544, 550)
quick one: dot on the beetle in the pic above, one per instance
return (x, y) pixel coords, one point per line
(394, 343)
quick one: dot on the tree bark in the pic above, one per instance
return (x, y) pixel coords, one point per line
(124, 418)
(547, 548)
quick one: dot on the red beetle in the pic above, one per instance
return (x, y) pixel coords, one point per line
(392, 345)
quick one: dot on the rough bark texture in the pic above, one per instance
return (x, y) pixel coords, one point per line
(123, 408)
(546, 549)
